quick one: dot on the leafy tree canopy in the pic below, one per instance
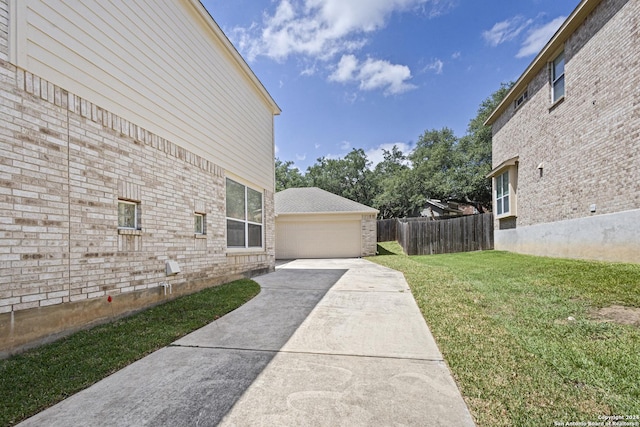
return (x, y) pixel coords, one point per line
(288, 176)
(441, 166)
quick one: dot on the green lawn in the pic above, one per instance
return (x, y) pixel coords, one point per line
(45, 375)
(522, 336)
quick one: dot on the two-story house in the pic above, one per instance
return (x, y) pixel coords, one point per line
(136, 162)
(566, 142)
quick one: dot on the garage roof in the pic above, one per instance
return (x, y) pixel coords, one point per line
(314, 200)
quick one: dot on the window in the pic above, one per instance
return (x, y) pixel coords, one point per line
(521, 99)
(557, 78)
(199, 223)
(502, 193)
(244, 216)
(128, 215)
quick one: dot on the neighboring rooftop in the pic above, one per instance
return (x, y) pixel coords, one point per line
(316, 200)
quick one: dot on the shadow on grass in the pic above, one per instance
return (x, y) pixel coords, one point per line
(384, 251)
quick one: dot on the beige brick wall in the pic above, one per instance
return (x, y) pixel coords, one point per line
(589, 144)
(369, 235)
(64, 164)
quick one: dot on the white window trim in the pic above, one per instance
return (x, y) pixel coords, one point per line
(554, 79)
(501, 209)
(204, 224)
(520, 100)
(136, 205)
(246, 248)
(512, 172)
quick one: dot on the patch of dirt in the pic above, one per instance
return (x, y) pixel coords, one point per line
(619, 314)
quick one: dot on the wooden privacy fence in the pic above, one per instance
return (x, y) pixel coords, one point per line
(387, 230)
(424, 236)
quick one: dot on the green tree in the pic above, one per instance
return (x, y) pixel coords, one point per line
(392, 162)
(288, 176)
(396, 198)
(434, 161)
(441, 166)
(475, 153)
(391, 174)
(349, 177)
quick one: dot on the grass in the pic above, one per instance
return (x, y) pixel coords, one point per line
(41, 377)
(502, 322)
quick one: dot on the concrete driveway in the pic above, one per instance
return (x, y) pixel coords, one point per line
(325, 343)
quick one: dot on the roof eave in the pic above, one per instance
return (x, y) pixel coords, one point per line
(569, 26)
(507, 163)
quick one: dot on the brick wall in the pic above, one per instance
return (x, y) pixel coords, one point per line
(369, 235)
(65, 163)
(589, 144)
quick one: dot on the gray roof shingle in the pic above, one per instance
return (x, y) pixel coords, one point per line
(316, 200)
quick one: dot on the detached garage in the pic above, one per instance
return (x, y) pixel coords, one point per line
(313, 223)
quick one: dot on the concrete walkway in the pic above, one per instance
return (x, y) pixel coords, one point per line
(326, 343)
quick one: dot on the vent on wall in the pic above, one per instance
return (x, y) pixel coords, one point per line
(172, 268)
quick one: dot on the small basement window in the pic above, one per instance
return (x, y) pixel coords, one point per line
(128, 215)
(199, 223)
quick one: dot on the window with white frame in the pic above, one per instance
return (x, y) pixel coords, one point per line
(199, 223)
(521, 99)
(502, 193)
(244, 216)
(128, 215)
(557, 78)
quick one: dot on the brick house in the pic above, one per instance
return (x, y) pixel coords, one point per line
(566, 142)
(135, 143)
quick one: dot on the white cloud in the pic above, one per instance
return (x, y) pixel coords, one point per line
(301, 157)
(346, 70)
(435, 66)
(324, 28)
(506, 30)
(345, 145)
(538, 37)
(375, 154)
(373, 74)
(321, 30)
(456, 55)
(439, 7)
(309, 71)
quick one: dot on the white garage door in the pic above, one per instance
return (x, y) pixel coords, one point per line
(318, 239)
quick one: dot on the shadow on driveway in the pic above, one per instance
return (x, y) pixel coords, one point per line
(326, 342)
(199, 378)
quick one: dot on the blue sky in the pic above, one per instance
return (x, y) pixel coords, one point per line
(371, 74)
